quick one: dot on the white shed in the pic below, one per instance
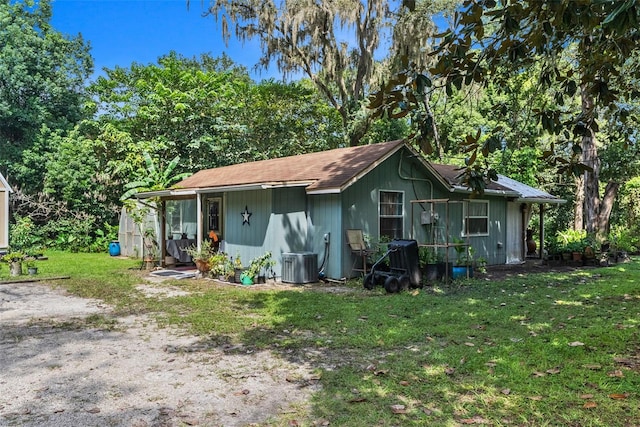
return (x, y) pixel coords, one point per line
(5, 190)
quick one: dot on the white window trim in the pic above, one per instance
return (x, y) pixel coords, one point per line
(403, 216)
(465, 211)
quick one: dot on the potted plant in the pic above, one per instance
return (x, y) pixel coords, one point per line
(15, 259)
(238, 269)
(32, 269)
(259, 265)
(463, 267)
(429, 259)
(220, 265)
(201, 257)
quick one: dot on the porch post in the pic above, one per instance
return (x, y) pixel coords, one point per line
(163, 232)
(541, 256)
(199, 235)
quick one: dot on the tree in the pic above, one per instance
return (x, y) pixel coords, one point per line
(314, 38)
(42, 73)
(492, 40)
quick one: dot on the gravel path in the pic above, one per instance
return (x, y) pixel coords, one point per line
(65, 361)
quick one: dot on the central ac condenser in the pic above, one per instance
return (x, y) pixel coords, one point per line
(299, 267)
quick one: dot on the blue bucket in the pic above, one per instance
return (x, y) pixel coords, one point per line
(114, 248)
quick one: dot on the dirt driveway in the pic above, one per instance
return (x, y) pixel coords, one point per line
(66, 361)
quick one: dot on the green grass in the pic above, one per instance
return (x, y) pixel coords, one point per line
(556, 349)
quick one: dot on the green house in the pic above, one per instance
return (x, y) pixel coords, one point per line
(300, 208)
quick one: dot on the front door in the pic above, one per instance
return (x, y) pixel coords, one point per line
(214, 224)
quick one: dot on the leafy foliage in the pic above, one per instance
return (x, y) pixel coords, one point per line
(41, 76)
(308, 37)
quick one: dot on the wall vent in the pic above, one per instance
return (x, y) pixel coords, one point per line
(299, 267)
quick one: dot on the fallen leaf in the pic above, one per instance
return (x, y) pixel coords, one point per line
(539, 374)
(380, 372)
(449, 371)
(404, 383)
(240, 393)
(553, 371)
(358, 400)
(505, 391)
(575, 344)
(371, 367)
(617, 374)
(398, 409)
(586, 396)
(294, 423)
(469, 344)
(94, 410)
(590, 405)
(491, 364)
(416, 292)
(619, 395)
(535, 398)
(321, 422)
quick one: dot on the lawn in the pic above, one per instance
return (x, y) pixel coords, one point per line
(547, 349)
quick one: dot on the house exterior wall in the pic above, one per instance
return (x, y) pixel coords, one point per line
(491, 247)
(279, 223)
(326, 218)
(360, 207)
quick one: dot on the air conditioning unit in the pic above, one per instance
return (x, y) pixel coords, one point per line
(299, 267)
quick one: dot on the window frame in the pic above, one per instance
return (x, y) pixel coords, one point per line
(466, 217)
(401, 217)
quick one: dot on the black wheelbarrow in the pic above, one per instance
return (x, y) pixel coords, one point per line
(404, 268)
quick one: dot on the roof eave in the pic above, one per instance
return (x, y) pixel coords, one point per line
(541, 200)
(504, 193)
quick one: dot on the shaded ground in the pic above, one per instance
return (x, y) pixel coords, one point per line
(531, 266)
(66, 361)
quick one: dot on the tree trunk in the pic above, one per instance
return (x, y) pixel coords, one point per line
(610, 194)
(590, 159)
(578, 214)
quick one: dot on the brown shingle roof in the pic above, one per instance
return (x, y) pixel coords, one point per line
(323, 171)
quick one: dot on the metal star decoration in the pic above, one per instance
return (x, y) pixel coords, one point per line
(246, 215)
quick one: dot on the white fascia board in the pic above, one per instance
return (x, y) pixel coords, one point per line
(465, 190)
(542, 200)
(334, 190)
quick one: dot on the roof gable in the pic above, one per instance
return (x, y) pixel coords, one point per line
(325, 171)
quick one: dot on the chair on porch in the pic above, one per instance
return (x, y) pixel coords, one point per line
(359, 250)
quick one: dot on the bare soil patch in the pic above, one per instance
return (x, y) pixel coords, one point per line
(68, 361)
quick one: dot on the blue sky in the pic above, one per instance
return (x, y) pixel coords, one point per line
(126, 31)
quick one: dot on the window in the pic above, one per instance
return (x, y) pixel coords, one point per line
(476, 218)
(392, 214)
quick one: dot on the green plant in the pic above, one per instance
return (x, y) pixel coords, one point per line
(237, 262)
(24, 234)
(571, 240)
(624, 239)
(14, 256)
(220, 264)
(464, 252)
(428, 255)
(202, 254)
(258, 264)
